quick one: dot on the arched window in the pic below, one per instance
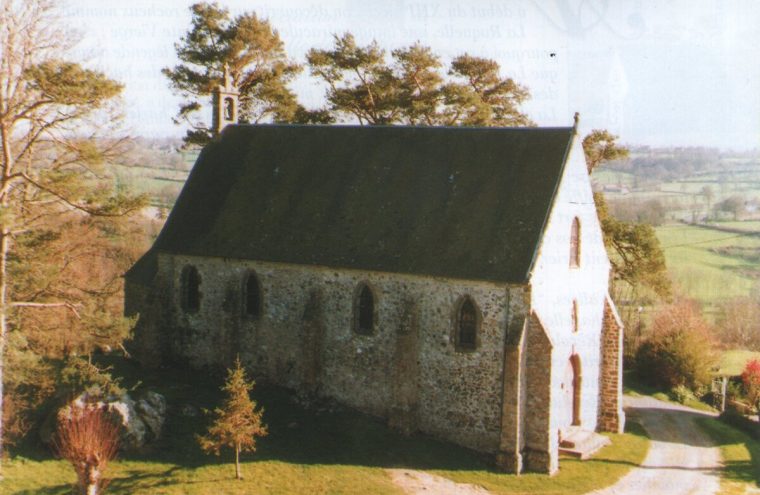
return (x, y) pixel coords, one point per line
(575, 243)
(575, 363)
(190, 289)
(229, 109)
(575, 316)
(364, 310)
(467, 325)
(252, 296)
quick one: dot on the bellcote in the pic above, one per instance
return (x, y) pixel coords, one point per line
(225, 102)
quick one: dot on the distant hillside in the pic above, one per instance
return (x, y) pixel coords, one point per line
(156, 167)
(692, 184)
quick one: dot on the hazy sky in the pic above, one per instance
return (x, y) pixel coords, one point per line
(664, 72)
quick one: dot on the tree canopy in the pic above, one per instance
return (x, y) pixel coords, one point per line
(410, 89)
(258, 63)
(635, 253)
(60, 215)
(601, 146)
(362, 83)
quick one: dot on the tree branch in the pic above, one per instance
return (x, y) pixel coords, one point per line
(74, 205)
(67, 305)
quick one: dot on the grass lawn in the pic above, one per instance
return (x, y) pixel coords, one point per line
(741, 457)
(147, 476)
(326, 449)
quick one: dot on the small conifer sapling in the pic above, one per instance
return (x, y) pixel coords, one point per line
(238, 422)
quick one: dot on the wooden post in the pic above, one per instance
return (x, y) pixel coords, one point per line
(723, 387)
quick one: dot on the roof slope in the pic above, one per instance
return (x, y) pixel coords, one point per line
(455, 202)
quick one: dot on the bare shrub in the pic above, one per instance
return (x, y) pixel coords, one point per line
(739, 320)
(88, 438)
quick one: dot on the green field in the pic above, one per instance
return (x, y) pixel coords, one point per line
(703, 273)
(161, 185)
(326, 449)
(732, 362)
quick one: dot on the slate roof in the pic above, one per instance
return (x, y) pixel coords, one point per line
(455, 202)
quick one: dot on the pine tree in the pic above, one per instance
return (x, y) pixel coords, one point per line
(362, 84)
(255, 55)
(57, 125)
(238, 422)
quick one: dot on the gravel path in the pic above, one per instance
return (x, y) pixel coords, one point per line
(681, 460)
(420, 483)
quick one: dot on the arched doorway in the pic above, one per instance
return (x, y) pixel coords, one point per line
(571, 393)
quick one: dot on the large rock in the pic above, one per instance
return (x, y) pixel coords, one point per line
(151, 408)
(142, 418)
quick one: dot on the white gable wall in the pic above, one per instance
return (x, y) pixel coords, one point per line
(554, 286)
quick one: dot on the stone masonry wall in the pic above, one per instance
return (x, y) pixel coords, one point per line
(611, 415)
(512, 444)
(541, 441)
(407, 370)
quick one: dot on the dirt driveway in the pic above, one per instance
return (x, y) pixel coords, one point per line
(681, 460)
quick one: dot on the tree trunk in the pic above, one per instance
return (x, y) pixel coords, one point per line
(4, 238)
(88, 477)
(92, 486)
(237, 462)
(5, 180)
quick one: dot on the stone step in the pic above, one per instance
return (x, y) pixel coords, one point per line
(581, 443)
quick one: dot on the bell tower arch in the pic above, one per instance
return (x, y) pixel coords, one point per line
(225, 101)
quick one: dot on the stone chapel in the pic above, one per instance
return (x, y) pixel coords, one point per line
(451, 280)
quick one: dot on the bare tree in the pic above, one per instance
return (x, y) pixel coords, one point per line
(52, 113)
(739, 320)
(88, 438)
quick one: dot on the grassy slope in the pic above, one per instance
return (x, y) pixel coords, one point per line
(330, 450)
(706, 276)
(741, 457)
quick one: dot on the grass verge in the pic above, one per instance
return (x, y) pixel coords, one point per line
(741, 457)
(152, 476)
(634, 387)
(325, 449)
(575, 477)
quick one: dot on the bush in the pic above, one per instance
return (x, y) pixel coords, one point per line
(681, 394)
(80, 375)
(88, 438)
(680, 351)
(751, 382)
(734, 391)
